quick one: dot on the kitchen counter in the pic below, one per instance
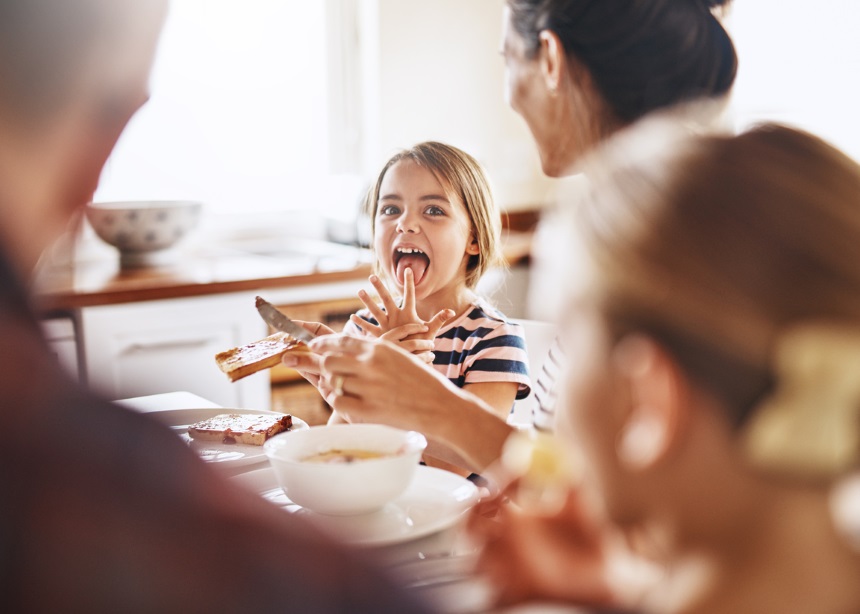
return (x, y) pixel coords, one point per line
(144, 331)
(95, 281)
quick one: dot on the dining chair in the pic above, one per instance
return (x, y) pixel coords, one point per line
(539, 338)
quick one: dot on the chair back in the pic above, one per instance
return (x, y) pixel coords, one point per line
(539, 338)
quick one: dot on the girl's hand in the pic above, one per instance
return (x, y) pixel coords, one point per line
(410, 337)
(393, 317)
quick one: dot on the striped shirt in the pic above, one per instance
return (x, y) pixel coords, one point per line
(480, 346)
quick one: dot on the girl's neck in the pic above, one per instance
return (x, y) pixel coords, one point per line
(789, 560)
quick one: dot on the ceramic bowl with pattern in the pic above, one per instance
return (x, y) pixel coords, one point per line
(144, 231)
(345, 469)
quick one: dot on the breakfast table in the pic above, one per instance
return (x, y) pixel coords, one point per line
(419, 538)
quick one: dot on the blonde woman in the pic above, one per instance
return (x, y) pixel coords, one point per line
(716, 402)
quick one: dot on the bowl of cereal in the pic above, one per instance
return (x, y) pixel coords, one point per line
(345, 469)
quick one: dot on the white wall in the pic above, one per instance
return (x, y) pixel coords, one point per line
(799, 63)
(432, 70)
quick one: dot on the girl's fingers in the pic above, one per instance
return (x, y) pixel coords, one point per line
(340, 344)
(426, 357)
(384, 294)
(378, 314)
(370, 329)
(408, 291)
(437, 321)
(402, 332)
(417, 346)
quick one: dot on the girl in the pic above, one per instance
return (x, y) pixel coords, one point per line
(715, 311)
(435, 231)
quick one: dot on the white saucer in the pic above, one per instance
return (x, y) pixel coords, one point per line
(435, 500)
(227, 455)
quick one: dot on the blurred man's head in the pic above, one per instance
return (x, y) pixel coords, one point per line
(72, 73)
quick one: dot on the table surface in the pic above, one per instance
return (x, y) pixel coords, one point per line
(436, 566)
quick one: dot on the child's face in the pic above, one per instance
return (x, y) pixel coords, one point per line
(417, 226)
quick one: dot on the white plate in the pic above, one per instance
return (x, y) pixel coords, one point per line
(435, 500)
(228, 455)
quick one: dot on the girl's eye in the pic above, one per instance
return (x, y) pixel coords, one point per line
(389, 210)
(434, 210)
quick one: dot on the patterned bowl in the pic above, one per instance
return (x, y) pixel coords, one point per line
(143, 231)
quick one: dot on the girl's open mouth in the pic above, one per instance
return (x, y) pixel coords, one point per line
(410, 258)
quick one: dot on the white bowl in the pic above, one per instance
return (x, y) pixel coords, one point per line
(343, 489)
(144, 231)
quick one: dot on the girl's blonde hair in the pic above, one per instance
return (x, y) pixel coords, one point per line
(463, 180)
(715, 245)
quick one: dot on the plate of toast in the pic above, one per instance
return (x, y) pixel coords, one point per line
(229, 437)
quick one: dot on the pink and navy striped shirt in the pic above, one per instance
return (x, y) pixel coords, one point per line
(480, 346)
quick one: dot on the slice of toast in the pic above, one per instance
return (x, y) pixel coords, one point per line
(249, 429)
(239, 362)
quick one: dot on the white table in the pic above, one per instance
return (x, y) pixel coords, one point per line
(437, 566)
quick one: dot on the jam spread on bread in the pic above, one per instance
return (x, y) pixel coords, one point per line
(239, 362)
(250, 429)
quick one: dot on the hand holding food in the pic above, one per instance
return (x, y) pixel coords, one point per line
(357, 374)
(307, 364)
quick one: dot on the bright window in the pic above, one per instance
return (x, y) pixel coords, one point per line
(239, 112)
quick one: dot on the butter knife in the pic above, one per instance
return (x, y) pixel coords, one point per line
(280, 322)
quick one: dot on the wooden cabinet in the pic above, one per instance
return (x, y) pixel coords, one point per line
(151, 347)
(62, 339)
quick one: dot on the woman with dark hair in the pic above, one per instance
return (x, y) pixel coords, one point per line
(577, 71)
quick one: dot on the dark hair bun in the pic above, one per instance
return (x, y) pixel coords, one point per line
(713, 4)
(643, 55)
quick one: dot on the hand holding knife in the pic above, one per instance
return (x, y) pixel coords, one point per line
(282, 323)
